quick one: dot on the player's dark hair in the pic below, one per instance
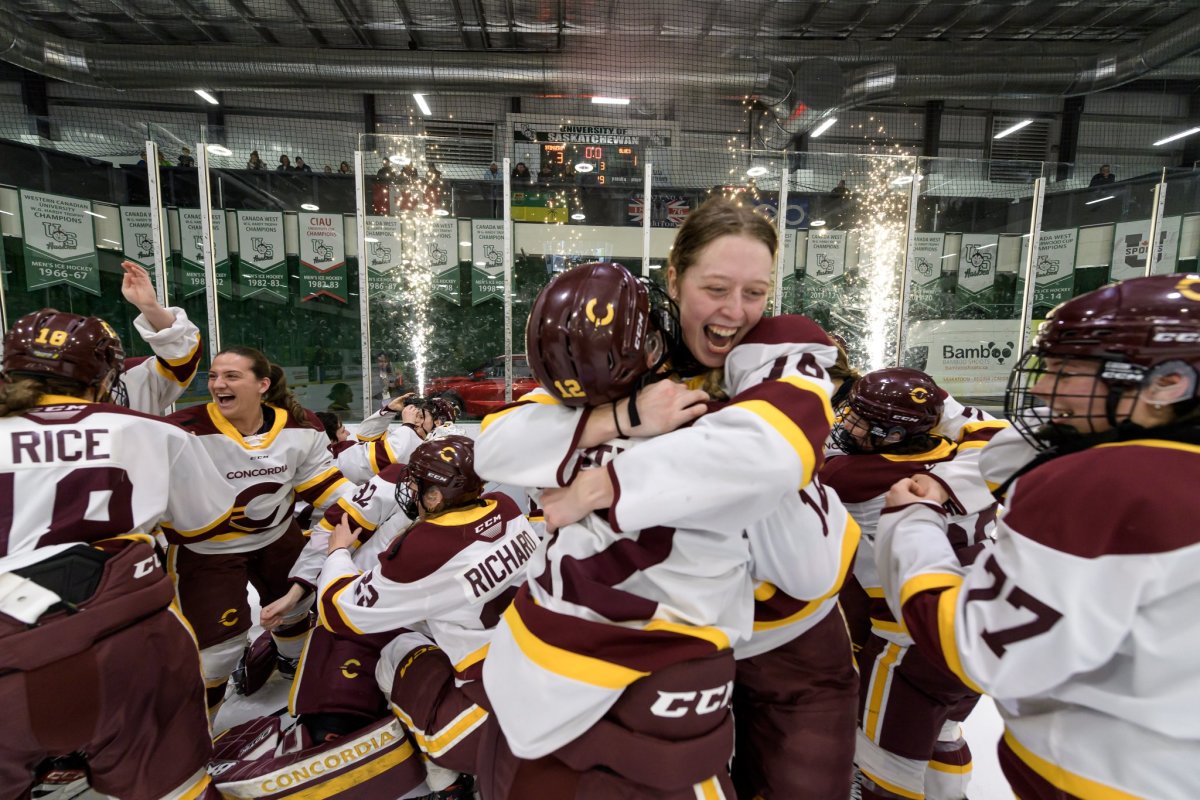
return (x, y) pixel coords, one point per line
(332, 422)
(277, 393)
(20, 393)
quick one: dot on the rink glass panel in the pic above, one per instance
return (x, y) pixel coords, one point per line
(438, 317)
(88, 280)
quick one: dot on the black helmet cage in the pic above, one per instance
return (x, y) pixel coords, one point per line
(664, 318)
(1031, 415)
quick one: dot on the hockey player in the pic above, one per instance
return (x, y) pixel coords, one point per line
(1080, 622)
(379, 443)
(153, 384)
(447, 577)
(274, 452)
(720, 275)
(909, 738)
(83, 596)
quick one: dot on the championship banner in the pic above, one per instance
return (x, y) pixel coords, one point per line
(60, 242)
(925, 271)
(192, 250)
(137, 237)
(385, 251)
(487, 260)
(1054, 272)
(261, 254)
(977, 268)
(322, 257)
(1131, 244)
(824, 269)
(441, 258)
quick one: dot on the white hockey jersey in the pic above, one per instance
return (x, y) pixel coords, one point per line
(379, 445)
(153, 383)
(671, 592)
(1080, 620)
(863, 480)
(449, 577)
(373, 509)
(268, 471)
(74, 471)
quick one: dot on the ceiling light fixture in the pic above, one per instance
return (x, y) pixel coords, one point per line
(1013, 128)
(422, 104)
(611, 101)
(208, 97)
(1175, 136)
(824, 126)
(310, 207)
(441, 212)
(94, 214)
(817, 223)
(1099, 200)
(370, 239)
(583, 166)
(464, 244)
(218, 150)
(756, 171)
(579, 215)
(399, 160)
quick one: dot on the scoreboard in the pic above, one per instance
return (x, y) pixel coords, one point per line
(612, 164)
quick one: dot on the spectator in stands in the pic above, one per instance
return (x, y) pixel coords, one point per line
(387, 172)
(255, 162)
(492, 173)
(409, 174)
(301, 166)
(522, 174)
(285, 164)
(185, 158)
(545, 175)
(344, 169)
(1103, 177)
(328, 170)
(840, 190)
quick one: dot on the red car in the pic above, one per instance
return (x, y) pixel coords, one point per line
(481, 391)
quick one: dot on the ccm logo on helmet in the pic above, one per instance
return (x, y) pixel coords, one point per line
(590, 311)
(1177, 336)
(677, 704)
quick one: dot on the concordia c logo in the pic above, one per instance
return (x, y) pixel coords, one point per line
(590, 311)
(351, 662)
(1189, 288)
(447, 454)
(919, 395)
(229, 618)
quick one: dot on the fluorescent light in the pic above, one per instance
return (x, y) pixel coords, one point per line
(110, 241)
(817, 223)
(579, 215)
(441, 212)
(611, 101)
(310, 207)
(422, 104)
(1099, 199)
(208, 97)
(94, 214)
(481, 263)
(985, 246)
(583, 166)
(6, 213)
(755, 172)
(1180, 135)
(824, 126)
(218, 150)
(1013, 128)
(400, 160)
(952, 255)
(464, 244)
(655, 266)
(370, 239)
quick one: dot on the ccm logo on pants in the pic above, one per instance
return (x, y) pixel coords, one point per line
(706, 701)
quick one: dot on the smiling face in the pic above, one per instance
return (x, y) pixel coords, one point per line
(1076, 396)
(721, 295)
(235, 388)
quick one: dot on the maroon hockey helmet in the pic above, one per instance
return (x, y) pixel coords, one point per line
(443, 411)
(59, 344)
(1135, 329)
(447, 463)
(587, 334)
(896, 404)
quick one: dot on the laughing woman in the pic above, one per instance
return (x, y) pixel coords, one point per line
(273, 452)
